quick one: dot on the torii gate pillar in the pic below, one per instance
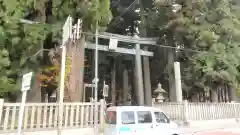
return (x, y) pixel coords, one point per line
(147, 82)
(139, 77)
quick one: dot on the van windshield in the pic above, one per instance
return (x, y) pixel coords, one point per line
(111, 117)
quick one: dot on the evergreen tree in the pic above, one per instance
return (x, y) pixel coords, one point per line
(210, 28)
(20, 41)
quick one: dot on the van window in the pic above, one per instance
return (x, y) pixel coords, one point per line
(161, 117)
(144, 117)
(111, 117)
(127, 117)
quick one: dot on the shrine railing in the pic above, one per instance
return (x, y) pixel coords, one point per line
(200, 111)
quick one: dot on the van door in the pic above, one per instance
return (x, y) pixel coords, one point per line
(144, 124)
(111, 123)
(162, 120)
(163, 124)
(127, 125)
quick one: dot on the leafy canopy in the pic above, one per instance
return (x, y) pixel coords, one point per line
(18, 41)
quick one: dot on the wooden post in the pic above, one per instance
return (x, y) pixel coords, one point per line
(185, 112)
(102, 109)
(1, 109)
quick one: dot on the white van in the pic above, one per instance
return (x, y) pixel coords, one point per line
(138, 120)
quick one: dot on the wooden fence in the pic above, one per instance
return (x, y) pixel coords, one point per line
(45, 115)
(79, 115)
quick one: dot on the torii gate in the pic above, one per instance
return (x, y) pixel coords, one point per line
(74, 32)
(142, 92)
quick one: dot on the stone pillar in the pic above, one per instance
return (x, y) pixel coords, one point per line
(125, 85)
(178, 83)
(139, 76)
(147, 83)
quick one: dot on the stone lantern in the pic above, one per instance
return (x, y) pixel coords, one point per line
(159, 92)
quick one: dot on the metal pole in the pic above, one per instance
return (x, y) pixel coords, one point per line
(21, 111)
(138, 67)
(61, 91)
(96, 77)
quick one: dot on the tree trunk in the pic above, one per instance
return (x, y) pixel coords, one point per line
(172, 86)
(34, 95)
(214, 96)
(232, 94)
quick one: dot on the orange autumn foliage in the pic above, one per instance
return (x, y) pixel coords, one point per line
(49, 76)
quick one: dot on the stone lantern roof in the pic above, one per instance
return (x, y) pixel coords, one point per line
(159, 89)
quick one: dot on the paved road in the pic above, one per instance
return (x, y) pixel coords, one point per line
(217, 133)
(222, 128)
(229, 131)
(234, 131)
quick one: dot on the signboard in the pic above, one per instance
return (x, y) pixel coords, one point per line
(26, 81)
(105, 89)
(67, 30)
(113, 44)
(26, 85)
